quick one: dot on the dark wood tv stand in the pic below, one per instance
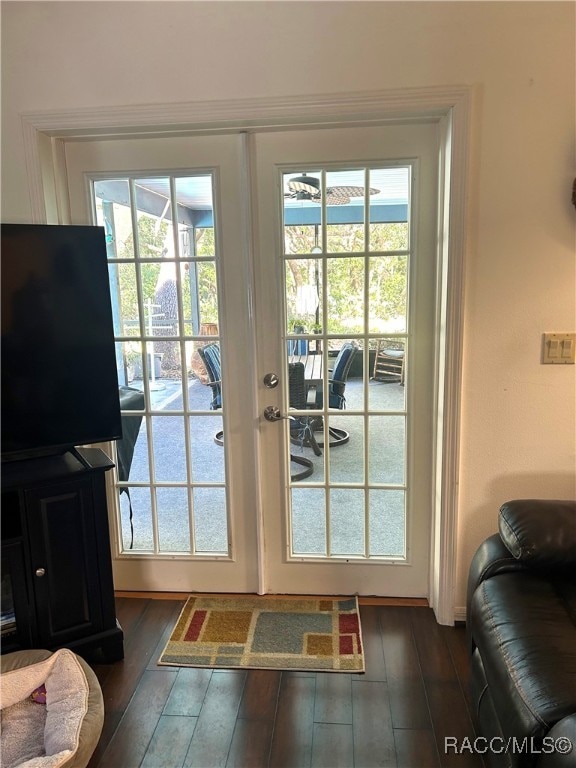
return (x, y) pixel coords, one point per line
(56, 560)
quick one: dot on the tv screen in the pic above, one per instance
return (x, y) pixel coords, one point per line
(59, 377)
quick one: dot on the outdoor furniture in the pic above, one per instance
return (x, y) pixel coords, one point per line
(336, 388)
(210, 356)
(131, 399)
(300, 431)
(196, 364)
(389, 360)
(313, 374)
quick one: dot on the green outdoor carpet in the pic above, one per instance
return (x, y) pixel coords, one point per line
(253, 632)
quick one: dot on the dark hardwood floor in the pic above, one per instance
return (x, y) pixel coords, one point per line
(414, 694)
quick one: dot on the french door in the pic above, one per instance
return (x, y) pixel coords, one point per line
(212, 244)
(354, 265)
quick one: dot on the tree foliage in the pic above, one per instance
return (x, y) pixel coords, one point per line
(151, 242)
(347, 271)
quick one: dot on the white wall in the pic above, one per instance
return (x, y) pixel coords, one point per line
(519, 423)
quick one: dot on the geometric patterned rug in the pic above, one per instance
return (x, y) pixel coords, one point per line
(266, 632)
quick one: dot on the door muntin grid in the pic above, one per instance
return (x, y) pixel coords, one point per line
(346, 278)
(171, 490)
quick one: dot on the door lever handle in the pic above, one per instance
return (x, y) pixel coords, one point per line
(272, 413)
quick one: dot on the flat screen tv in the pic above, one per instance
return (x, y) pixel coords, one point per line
(59, 376)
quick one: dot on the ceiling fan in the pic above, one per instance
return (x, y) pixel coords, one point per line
(308, 188)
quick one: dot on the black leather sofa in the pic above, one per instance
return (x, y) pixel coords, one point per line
(521, 626)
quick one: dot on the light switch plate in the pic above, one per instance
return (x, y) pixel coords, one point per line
(559, 348)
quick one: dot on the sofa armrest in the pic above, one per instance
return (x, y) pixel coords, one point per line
(540, 533)
(491, 558)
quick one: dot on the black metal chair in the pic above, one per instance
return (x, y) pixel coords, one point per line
(336, 388)
(300, 432)
(210, 356)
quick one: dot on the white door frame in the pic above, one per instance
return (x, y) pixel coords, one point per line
(45, 133)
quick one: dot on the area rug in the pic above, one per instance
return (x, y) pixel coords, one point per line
(253, 632)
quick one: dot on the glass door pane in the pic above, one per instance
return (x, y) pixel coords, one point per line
(162, 255)
(346, 236)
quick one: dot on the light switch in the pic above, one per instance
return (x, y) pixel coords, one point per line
(568, 349)
(559, 348)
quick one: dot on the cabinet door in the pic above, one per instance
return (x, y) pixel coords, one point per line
(64, 561)
(17, 619)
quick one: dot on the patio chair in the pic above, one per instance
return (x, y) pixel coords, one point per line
(300, 432)
(389, 360)
(210, 356)
(336, 388)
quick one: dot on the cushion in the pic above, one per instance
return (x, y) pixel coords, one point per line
(63, 732)
(527, 640)
(540, 532)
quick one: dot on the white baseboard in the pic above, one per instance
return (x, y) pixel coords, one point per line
(460, 613)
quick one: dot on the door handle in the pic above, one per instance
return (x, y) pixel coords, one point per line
(272, 413)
